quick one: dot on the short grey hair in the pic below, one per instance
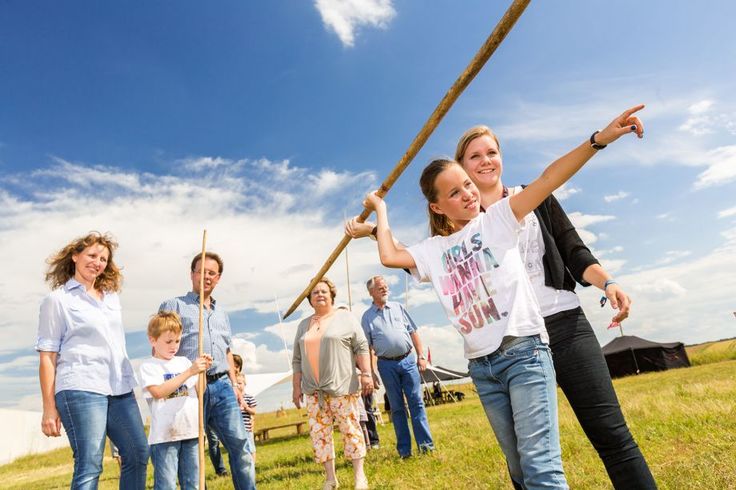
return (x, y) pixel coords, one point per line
(372, 282)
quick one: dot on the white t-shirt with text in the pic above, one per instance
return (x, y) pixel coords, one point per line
(479, 278)
(174, 418)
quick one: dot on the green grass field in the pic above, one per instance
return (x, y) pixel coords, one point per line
(719, 350)
(683, 419)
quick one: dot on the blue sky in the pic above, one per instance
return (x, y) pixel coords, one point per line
(265, 122)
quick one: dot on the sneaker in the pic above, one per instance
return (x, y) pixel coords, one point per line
(405, 456)
(223, 473)
(375, 446)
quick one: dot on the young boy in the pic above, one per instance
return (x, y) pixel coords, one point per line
(248, 410)
(169, 383)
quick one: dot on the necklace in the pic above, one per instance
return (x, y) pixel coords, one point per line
(317, 320)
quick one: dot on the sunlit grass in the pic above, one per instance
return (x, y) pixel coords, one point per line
(683, 419)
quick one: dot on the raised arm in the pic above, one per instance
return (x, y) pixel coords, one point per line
(389, 253)
(560, 171)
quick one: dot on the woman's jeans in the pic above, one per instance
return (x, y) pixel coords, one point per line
(516, 385)
(87, 417)
(175, 459)
(583, 375)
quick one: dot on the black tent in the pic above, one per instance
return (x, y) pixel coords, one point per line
(438, 373)
(629, 354)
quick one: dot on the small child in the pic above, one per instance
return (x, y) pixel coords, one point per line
(248, 411)
(169, 383)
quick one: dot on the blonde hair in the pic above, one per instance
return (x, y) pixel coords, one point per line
(61, 266)
(439, 224)
(162, 322)
(471, 134)
(330, 286)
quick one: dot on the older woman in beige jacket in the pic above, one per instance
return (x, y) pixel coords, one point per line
(327, 347)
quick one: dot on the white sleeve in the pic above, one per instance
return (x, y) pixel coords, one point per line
(150, 374)
(419, 253)
(500, 215)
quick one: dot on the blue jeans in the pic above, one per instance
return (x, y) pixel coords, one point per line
(172, 459)
(213, 447)
(87, 417)
(516, 385)
(222, 413)
(401, 378)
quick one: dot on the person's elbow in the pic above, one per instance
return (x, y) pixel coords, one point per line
(390, 260)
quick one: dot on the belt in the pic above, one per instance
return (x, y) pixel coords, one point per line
(211, 378)
(397, 358)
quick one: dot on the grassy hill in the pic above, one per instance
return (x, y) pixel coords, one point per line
(683, 419)
(705, 353)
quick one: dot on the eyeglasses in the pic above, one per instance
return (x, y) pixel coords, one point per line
(208, 273)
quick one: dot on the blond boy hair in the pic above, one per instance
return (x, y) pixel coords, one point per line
(162, 322)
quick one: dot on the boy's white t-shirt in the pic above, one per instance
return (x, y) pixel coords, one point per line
(480, 280)
(174, 418)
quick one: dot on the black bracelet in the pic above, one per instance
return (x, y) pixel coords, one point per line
(374, 231)
(593, 144)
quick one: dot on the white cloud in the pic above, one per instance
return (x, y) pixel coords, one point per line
(721, 167)
(158, 221)
(703, 120)
(672, 256)
(676, 301)
(727, 212)
(616, 197)
(701, 107)
(581, 220)
(565, 192)
(198, 164)
(328, 180)
(344, 17)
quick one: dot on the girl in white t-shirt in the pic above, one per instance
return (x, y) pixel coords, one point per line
(474, 264)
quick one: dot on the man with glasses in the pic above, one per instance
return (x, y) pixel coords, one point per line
(393, 337)
(221, 397)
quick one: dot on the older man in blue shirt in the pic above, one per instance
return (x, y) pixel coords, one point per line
(221, 398)
(391, 334)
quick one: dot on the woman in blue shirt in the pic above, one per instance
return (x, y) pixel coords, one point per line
(86, 377)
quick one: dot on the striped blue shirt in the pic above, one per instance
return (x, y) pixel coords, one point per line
(216, 330)
(89, 337)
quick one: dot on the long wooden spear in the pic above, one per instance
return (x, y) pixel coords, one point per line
(479, 60)
(201, 384)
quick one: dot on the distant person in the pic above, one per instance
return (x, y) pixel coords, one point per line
(86, 378)
(221, 397)
(327, 346)
(248, 405)
(169, 385)
(393, 338)
(371, 423)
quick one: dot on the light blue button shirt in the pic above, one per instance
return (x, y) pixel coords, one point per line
(216, 329)
(89, 337)
(387, 329)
